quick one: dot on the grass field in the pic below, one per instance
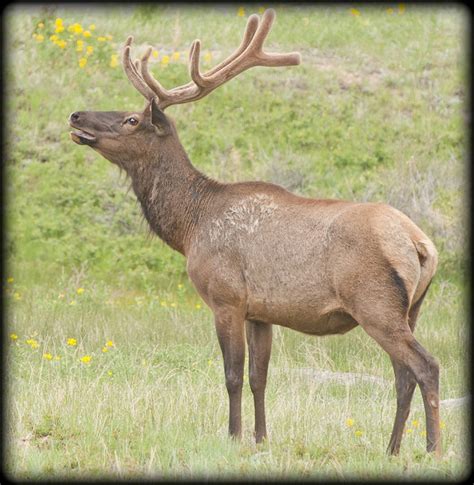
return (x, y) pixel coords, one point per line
(113, 367)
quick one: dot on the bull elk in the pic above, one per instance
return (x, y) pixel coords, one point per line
(259, 255)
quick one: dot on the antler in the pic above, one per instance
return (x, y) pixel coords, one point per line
(249, 54)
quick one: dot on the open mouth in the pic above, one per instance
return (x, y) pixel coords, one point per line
(82, 137)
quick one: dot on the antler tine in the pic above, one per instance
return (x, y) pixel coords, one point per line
(250, 29)
(194, 71)
(270, 59)
(132, 73)
(263, 29)
(152, 83)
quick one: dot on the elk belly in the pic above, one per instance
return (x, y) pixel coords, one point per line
(304, 319)
(337, 322)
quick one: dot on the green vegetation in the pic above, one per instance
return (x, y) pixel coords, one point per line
(376, 111)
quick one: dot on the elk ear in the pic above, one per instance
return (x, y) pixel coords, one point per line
(158, 118)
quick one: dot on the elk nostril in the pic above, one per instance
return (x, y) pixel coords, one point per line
(74, 116)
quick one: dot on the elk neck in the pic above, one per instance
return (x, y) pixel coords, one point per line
(173, 194)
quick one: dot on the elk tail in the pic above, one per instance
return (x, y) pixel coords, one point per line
(428, 258)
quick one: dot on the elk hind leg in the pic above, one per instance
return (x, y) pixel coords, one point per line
(394, 335)
(405, 384)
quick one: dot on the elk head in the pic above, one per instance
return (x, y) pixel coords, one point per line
(128, 137)
(123, 137)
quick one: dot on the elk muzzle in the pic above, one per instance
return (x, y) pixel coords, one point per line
(80, 135)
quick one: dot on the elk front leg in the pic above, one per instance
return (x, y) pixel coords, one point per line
(230, 333)
(259, 340)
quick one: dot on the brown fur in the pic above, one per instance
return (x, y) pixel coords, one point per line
(260, 256)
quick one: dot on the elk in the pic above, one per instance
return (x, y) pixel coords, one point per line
(259, 255)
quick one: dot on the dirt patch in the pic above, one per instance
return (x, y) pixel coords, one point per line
(349, 378)
(366, 75)
(456, 402)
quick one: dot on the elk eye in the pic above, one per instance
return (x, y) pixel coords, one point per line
(132, 121)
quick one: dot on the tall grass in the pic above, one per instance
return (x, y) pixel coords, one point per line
(155, 403)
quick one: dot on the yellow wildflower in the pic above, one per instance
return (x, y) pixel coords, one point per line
(108, 37)
(261, 10)
(175, 56)
(39, 38)
(110, 373)
(89, 50)
(53, 38)
(58, 22)
(47, 356)
(354, 12)
(40, 25)
(415, 423)
(77, 28)
(359, 433)
(80, 291)
(155, 54)
(165, 60)
(349, 422)
(198, 306)
(32, 343)
(17, 296)
(113, 60)
(86, 359)
(86, 33)
(14, 336)
(80, 48)
(10, 280)
(74, 302)
(180, 286)
(241, 12)
(59, 29)
(61, 43)
(92, 27)
(109, 343)
(207, 57)
(408, 431)
(442, 424)
(82, 62)
(72, 342)
(401, 8)
(105, 349)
